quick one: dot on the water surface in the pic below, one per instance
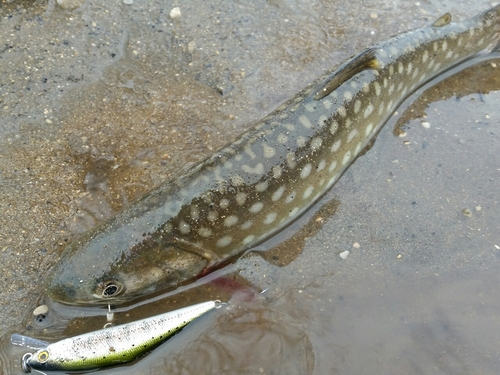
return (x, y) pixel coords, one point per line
(103, 102)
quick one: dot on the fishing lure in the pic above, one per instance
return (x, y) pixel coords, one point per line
(109, 346)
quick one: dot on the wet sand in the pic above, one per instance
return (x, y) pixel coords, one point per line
(101, 103)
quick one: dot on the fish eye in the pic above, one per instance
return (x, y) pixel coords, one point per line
(43, 356)
(110, 288)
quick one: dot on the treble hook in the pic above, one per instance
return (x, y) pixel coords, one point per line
(24, 362)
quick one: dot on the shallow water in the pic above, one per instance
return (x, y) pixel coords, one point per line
(101, 103)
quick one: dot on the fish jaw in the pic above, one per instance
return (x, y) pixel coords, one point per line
(73, 282)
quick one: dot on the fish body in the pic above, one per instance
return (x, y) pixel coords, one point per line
(115, 345)
(255, 186)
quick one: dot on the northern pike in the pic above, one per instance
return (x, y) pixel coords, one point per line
(109, 346)
(255, 186)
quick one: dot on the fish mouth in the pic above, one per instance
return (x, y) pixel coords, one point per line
(85, 293)
(118, 286)
(116, 290)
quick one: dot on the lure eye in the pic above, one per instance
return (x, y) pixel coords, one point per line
(110, 288)
(43, 356)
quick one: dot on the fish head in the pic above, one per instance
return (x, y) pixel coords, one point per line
(84, 276)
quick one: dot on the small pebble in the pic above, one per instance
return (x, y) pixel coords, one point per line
(355, 245)
(487, 116)
(478, 208)
(467, 212)
(42, 309)
(128, 2)
(374, 15)
(191, 46)
(406, 143)
(399, 256)
(344, 254)
(426, 124)
(497, 247)
(175, 13)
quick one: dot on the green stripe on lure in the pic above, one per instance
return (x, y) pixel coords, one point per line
(109, 346)
(257, 185)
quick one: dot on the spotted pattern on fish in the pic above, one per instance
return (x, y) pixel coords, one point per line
(255, 186)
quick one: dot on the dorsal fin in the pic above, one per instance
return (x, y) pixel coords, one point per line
(444, 20)
(366, 60)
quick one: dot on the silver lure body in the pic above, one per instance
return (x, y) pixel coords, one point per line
(113, 345)
(255, 186)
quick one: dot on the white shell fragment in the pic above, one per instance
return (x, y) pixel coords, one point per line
(175, 13)
(344, 254)
(191, 46)
(42, 309)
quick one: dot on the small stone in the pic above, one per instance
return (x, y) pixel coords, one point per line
(374, 15)
(128, 2)
(467, 212)
(175, 13)
(399, 256)
(426, 124)
(406, 143)
(355, 245)
(497, 247)
(487, 116)
(344, 254)
(478, 208)
(41, 310)
(191, 46)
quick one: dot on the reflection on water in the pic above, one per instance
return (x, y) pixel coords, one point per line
(246, 336)
(250, 339)
(418, 296)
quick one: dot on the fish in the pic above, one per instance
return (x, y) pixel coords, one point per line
(109, 346)
(255, 186)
